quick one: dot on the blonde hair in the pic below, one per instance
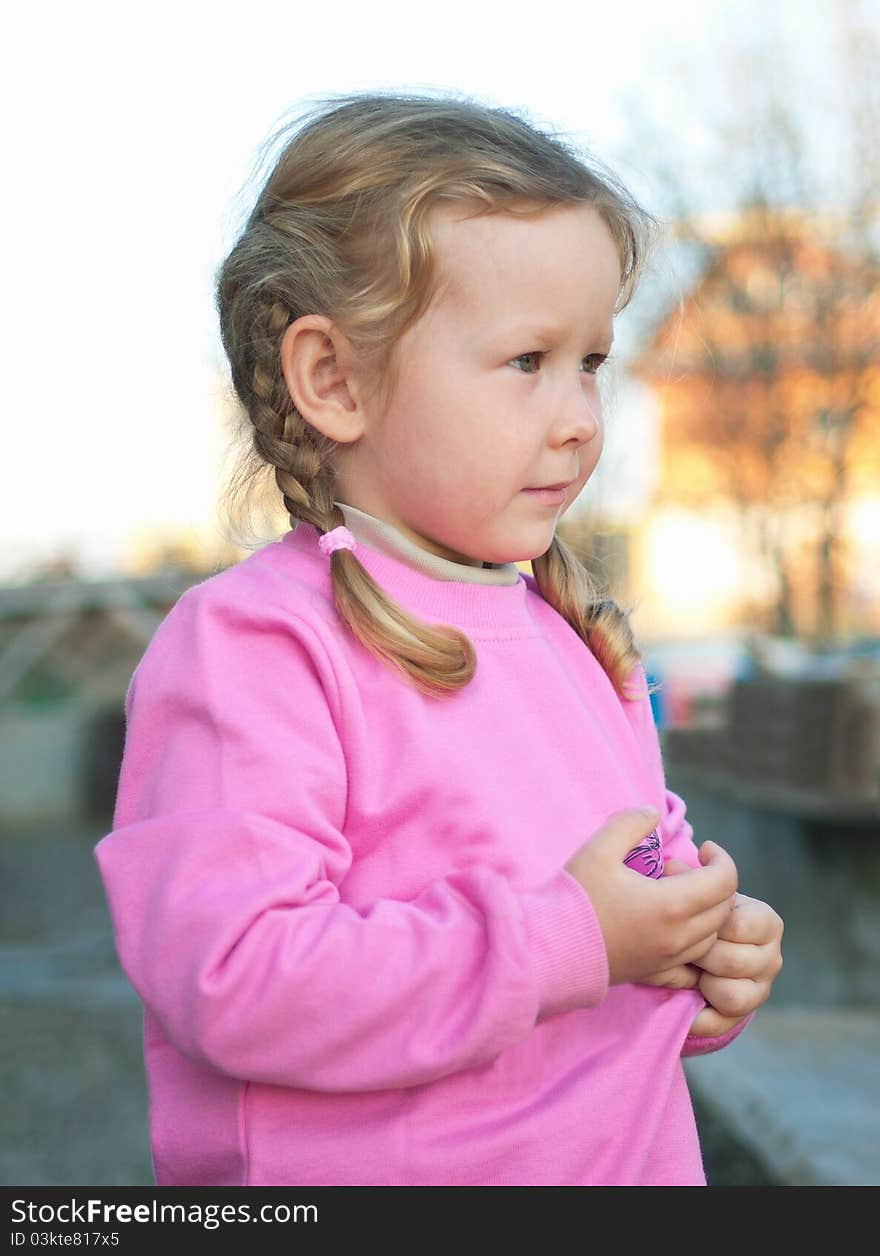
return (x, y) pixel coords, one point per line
(341, 227)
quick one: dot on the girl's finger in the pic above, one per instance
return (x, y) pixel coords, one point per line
(680, 977)
(700, 934)
(711, 1024)
(734, 997)
(700, 889)
(753, 922)
(738, 959)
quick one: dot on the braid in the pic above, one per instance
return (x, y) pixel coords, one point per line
(297, 451)
(598, 620)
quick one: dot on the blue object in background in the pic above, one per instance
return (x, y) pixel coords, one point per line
(658, 699)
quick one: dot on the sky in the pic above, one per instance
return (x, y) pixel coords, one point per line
(131, 136)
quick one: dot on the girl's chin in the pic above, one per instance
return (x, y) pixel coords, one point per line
(528, 553)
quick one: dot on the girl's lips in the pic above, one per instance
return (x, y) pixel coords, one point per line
(549, 496)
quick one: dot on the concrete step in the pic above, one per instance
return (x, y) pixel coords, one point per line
(800, 1090)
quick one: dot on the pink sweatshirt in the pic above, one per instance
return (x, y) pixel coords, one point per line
(344, 907)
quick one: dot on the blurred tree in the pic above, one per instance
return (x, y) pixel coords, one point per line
(769, 370)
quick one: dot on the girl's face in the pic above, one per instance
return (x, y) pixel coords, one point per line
(497, 390)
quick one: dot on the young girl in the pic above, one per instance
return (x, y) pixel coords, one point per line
(372, 870)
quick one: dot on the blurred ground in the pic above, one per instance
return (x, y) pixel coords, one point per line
(75, 1102)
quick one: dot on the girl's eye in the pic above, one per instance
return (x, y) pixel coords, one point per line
(594, 360)
(535, 353)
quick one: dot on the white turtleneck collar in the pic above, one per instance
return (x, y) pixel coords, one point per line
(384, 537)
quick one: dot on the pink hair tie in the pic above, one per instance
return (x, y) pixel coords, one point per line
(339, 538)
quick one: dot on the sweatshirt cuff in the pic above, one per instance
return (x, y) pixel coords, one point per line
(567, 946)
(696, 1044)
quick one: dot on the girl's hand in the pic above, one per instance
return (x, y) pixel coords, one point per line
(649, 925)
(736, 974)
(738, 970)
(680, 976)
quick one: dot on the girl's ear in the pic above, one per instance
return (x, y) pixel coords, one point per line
(318, 368)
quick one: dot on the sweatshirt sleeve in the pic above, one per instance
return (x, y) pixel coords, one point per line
(678, 843)
(225, 876)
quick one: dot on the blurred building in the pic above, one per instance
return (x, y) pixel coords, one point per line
(766, 380)
(68, 649)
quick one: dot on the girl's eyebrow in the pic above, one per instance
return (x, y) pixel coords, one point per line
(544, 328)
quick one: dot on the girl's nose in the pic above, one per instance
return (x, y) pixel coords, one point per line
(582, 418)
